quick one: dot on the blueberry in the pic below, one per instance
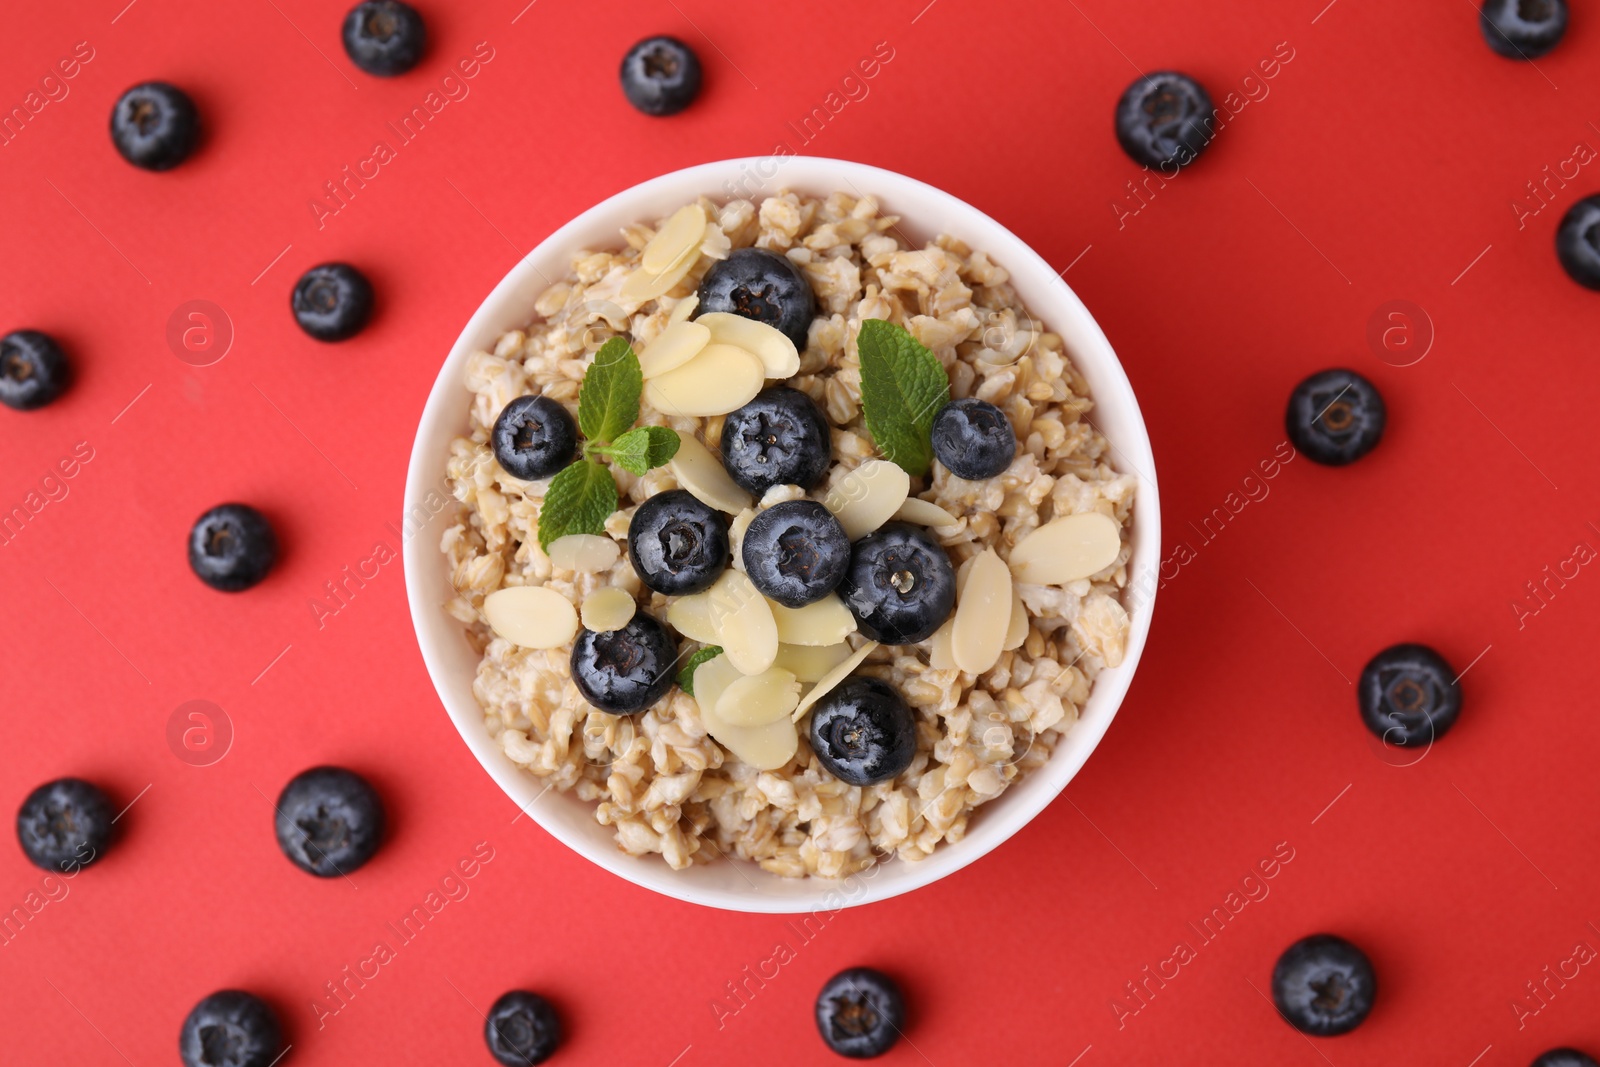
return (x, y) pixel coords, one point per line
(230, 1028)
(796, 552)
(1323, 985)
(1335, 417)
(64, 825)
(522, 1029)
(860, 1013)
(384, 37)
(1523, 29)
(232, 547)
(900, 585)
(677, 545)
(155, 126)
(1578, 242)
(332, 301)
(534, 437)
(1408, 695)
(1165, 120)
(863, 732)
(625, 671)
(779, 438)
(33, 370)
(329, 821)
(973, 439)
(661, 76)
(1564, 1057)
(761, 285)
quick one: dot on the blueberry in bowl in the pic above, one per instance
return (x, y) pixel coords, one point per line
(973, 439)
(522, 1029)
(779, 438)
(1165, 120)
(534, 437)
(1522, 29)
(660, 76)
(795, 552)
(384, 37)
(763, 285)
(1408, 695)
(625, 671)
(677, 544)
(329, 821)
(33, 370)
(1324, 986)
(863, 732)
(332, 301)
(65, 825)
(232, 547)
(1335, 417)
(230, 1028)
(899, 586)
(1578, 242)
(155, 126)
(860, 1013)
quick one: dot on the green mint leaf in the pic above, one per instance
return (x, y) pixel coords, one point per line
(643, 448)
(608, 402)
(686, 676)
(903, 386)
(579, 499)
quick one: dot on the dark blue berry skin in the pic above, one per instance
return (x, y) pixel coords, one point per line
(863, 732)
(973, 439)
(332, 301)
(33, 370)
(1408, 695)
(1324, 986)
(155, 126)
(1335, 417)
(534, 437)
(384, 37)
(762, 285)
(677, 544)
(522, 1029)
(661, 76)
(625, 671)
(1564, 1057)
(796, 552)
(779, 438)
(232, 547)
(900, 585)
(230, 1028)
(1523, 29)
(1578, 242)
(1164, 120)
(329, 821)
(64, 825)
(860, 1013)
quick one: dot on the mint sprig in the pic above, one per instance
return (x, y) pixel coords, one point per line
(608, 402)
(903, 386)
(579, 499)
(686, 676)
(642, 448)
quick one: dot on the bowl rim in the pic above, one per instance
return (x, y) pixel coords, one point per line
(1098, 362)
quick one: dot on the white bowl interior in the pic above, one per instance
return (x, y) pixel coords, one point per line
(925, 211)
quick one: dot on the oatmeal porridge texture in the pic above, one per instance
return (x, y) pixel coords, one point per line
(658, 778)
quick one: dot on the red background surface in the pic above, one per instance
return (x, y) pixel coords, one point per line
(1379, 166)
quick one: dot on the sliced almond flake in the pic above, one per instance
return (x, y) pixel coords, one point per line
(679, 234)
(684, 309)
(1067, 549)
(868, 497)
(531, 616)
(1017, 632)
(676, 345)
(642, 285)
(719, 379)
(924, 513)
(691, 617)
(584, 553)
(704, 476)
(757, 699)
(608, 608)
(768, 344)
(983, 614)
(823, 622)
(833, 678)
(764, 747)
(940, 657)
(743, 621)
(711, 679)
(811, 663)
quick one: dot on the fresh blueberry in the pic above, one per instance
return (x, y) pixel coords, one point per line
(1323, 985)
(863, 732)
(1335, 417)
(329, 821)
(522, 1029)
(230, 1028)
(1165, 120)
(33, 370)
(155, 126)
(534, 437)
(232, 547)
(625, 671)
(779, 438)
(332, 301)
(64, 825)
(1408, 695)
(762, 285)
(661, 76)
(796, 552)
(973, 439)
(1523, 29)
(677, 544)
(384, 37)
(1564, 1057)
(860, 1013)
(1578, 242)
(900, 585)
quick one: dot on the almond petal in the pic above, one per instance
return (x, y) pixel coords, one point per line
(833, 678)
(608, 608)
(757, 699)
(691, 617)
(719, 379)
(766, 748)
(584, 553)
(1017, 632)
(940, 656)
(924, 513)
(711, 680)
(743, 620)
(684, 309)
(770, 345)
(1067, 549)
(531, 616)
(704, 476)
(825, 622)
(868, 497)
(677, 344)
(811, 663)
(983, 614)
(679, 234)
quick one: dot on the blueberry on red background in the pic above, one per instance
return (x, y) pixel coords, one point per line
(230, 1028)
(33, 370)
(1563, 1057)
(1165, 120)
(1408, 695)
(329, 821)
(332, 301)
(65, 824)
(155, 126)
(1323, 985)
(232, 547)
(1578, 242)
(661, 76)
(1523, 29)
(522, 1029)
(1335, 417)
(384, 37)
(860, 1013)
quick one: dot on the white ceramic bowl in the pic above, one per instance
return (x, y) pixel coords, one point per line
(925, 211)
